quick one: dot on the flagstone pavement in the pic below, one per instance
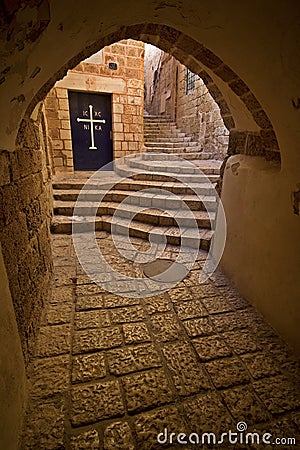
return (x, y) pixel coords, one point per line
(112, 372)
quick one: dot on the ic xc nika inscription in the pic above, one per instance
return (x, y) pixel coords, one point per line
(90, 122)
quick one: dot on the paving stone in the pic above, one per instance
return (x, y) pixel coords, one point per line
(56, 314)
(185, 369)
(211, 347)
(118, 436)
(227, 372)
(240, 341)
(180, 293)
(165, 327)
(190, 309)
(62, 294)
(157, 304)
(234, 298)
(128, 314)
(217, 304)
(94, 339)
(278, 394)
(90, 302)
(49, 376)
(88, 367)
(91, 319)
(136, 332)
(150, 424)
(206, 413)
(89, 440)
(261, 365)
(229, 321)
(44, 426)
(53, 340)
(132, 359)
(204, 290)
(146, 389)
(219, 279)
(95, 402)
(114, 301)
(89, 289)
(198, 327)
(244, 405)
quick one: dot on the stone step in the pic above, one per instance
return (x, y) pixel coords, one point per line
(156, 214)
(203, 189)
(193, 202)
(125, 171)
(168, 157)
(171, 138)
(160, 126)
(157, 119)
(207, 167)
(171, 144)
(189, 238)
(183, 149)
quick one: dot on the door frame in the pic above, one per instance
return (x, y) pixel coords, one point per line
(110, 94)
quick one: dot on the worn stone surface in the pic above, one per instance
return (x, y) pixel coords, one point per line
(147, 389)
(112, 372)
(88, 367)
(166, 327)
(190, 309)
(198, 327)
(206, 413)
(132, 359)
(157, 304)
(118, 436)
(94, 402)
(89, 440)
(94, 339)
(136, 332)
(278, 394)
(54, 340)
(91, 319)
(49, 376)
(44, 425)
(211, 347)
(90, 302)
(241, 341)
(261, 365)
(187, 374)
(244, 405)
(227, 372)
(123, 315)
(148, 425)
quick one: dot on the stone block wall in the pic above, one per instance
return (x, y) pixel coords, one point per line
(126, 84)
(25, 198)
(195, 112)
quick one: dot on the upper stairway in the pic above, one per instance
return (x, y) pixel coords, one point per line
(154, 192)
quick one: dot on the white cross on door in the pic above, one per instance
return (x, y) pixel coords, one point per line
(91, 121)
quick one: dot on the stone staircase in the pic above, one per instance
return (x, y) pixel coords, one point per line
(152, 193)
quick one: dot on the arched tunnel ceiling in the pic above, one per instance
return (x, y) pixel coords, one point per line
(235, 33)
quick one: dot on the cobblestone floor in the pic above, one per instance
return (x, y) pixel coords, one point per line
(112, 372)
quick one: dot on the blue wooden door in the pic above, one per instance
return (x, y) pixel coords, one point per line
(90, 116)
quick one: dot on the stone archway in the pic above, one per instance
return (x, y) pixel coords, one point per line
(262, 238)
(251, 132)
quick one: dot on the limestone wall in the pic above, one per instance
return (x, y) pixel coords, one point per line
(126, 84)
(24, 225)
(196, 113)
